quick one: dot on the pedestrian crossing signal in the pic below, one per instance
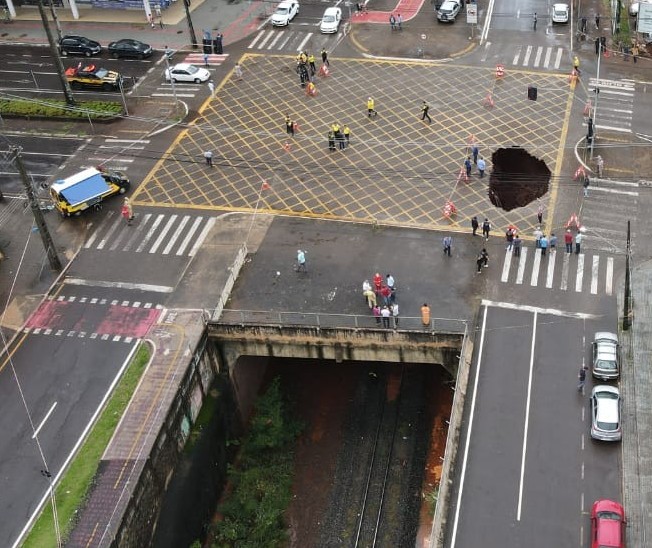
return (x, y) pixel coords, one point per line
(532, 93)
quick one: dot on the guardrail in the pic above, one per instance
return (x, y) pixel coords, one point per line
(332, 321)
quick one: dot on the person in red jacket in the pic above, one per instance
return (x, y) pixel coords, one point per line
(568, 240)
(386, 293)
(378, 282)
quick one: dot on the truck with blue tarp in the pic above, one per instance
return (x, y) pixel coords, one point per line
(87, 189)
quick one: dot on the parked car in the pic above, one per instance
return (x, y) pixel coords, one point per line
(606, 356)
(285, 12)
(79, 45)
(560, 13)
(185, 72)
(90, 76)
(130, 48)
(448, 11)
(330, 22)
(605, 413)
(607, 524)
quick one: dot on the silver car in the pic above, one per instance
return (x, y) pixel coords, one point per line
(606, 356)
(448, 11)
(605, 413)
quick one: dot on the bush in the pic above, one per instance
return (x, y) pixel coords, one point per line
(50, 108)
(262, 482)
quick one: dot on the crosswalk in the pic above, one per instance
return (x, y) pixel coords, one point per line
(173, 235)
(213, 59)
(532, 56)
(115, 154)
(285, 40)
(613, 104)
(180, 91)
(559, 270)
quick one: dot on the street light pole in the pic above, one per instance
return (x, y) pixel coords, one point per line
(597, 95)
(191, 29)
(167, 55)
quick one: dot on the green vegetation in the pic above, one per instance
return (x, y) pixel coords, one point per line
(74, 486)
(261, 484)
(431, 497)
(623, 38)
(49, 108)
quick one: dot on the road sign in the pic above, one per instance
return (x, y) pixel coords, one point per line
(644, 18)
(472, 14)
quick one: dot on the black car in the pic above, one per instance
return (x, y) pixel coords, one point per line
(79, 45)
(130, 48)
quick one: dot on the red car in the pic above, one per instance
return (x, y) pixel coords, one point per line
(607, 524)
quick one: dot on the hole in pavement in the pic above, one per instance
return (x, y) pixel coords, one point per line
(517, 178)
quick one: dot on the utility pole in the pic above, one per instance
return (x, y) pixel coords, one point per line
(56, 19)
(626, 311)
(67, 91)
(55, 263)
(191, 29)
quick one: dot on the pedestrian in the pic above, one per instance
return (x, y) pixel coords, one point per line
(479, 262)
(583, 25)
(150, 18)
(311, 62)
(448, 242)
(289, 125)
(160, 21)
(424, 112)
(509, 238)
(331, 141)
(371, 107)
(579, 238)
(399, 21)
(486, 228)
(538, 233)
(366, 286)
(553, 242)
(392, 21)
(540, 214)
(481, 166)
(211, 87)
(534, 21)
(581, 376)
(168, 52)
(475, 151)
(597, 21)
(543, 244)
(238, 71)
(208, 156)
(386, 314)
(347, 134)
(376, 312)
(206, 60)
(576, 65)
(517, 245)
(599, 162)
(425, 314)
(597, 46)
(568, 240)
(341, 141)
(467, 166)
(395, 314)
(127, 211)
(389, 280)
(386, 294)
(474, 224)
(301, 261)
(378, 282)
(324, 57)
(217, 44)
(370, 297)
(635, 52)
(485, 257)
(585, 184)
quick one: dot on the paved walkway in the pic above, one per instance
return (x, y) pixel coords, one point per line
(407, 8)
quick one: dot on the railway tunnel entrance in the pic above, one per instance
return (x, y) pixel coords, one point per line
(375, 406)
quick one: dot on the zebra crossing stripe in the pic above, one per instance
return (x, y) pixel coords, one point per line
(551, 268)
(285, 42)
(176, 234)
(305, 41)
(526, 59)
(610, 276)
(149, 234)
(521, 266)
(255, 41)
(137, 233)
(506, 264)
(516, 57)
(594, 275)
(546, 60)
(537, 58)
(279, 35)
(264, 42)
(189, 236)
(202, 236)
(558, 58)
(107, 236)
(535, 269)
(564, 272)
(580, 272)
(95, 234)
(163, 234)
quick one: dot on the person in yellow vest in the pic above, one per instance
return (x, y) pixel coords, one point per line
(311, 62)
(371, 107)
(425, 314)
(347, 134)
(336, 129)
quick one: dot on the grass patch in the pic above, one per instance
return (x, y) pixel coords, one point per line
(50, 108)
(76, 482)
(261, 485)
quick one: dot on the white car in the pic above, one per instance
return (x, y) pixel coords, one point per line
(605, 413)
(285, 12)
(185, 72)
(448, 11)
(330, 22)
(560, 13)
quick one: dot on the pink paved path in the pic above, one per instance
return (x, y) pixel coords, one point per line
(407, 8)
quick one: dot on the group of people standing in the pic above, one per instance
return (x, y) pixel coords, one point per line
(383, 292)
(478, 161)
(396, 22)
(339, 135)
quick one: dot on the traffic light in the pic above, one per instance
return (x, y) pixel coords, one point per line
(589, 130)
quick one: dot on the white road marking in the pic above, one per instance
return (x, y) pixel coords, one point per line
(526, 59)
(518, 54)
(202, 236)
(108, 235)
(506, 264)
(558, 58)
(47, 416)
(580, 272)
(150, 233)
(546, 60)
(610, 276)
(119, 285)
(521, 266)
(551, 268)
(176, 234)
(95, 234)
(527, 417)
(163, 234)
(172, 95)
(564, 272)
(279, 35)
(486, 51)
(253, 44)
(487, 22)
(305, 40)
(470, 428)
(189, 236)
(140, 227)
(264, 42)
(594, 274)
(535, 268)
(537, 57)
(614, 191)
(108, 140)
(548, 311)
(613, 128)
